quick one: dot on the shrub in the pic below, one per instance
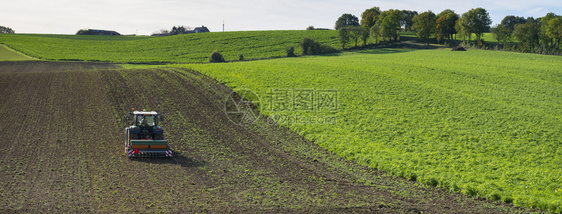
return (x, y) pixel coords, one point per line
(241, 57)
(458, 48)
(290, 51)
(216, 57)
(311, 47)
(306, 45)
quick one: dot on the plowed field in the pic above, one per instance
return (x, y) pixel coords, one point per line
(62, 151)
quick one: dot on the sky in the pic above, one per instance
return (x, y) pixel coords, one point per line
(144, 17)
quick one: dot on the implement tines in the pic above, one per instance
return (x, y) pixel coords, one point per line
(150, 154)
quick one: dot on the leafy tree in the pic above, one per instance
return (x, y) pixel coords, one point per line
(343, 34)
(365, 34)
(545, 37)
(501, 34)
(376, 32)
(554, 30)
(445, 25)
(424, 25)
(310, 28)
(178, 30)
(370, 16)
(527, 34)
(355, 32)
(389, 23)
(408, 19)
(509, 22)
(83, 32)
(346, 20)
(6, 30)
(477, 21)
(462, 30)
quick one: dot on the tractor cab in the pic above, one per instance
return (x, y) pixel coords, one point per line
(144, 125)
(146, 120)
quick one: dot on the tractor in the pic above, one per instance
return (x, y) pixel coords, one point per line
(144, 137)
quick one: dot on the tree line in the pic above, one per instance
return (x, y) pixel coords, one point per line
(6, 30)
(541, 35)
(534, 35)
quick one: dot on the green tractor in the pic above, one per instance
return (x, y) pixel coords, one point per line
(144, 137)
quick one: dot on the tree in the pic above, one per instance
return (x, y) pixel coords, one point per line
(389, 23)
(343, 34)
(548, 40)
(408, 19)
(462, 30)
(477, 21)
(370, 16)
(365, 34)
(445, 25)
(424, 25)
(355, 32)
(376, 32)
(346, 20)
(178, 30)
(6, 30)
(527, 34)
(509, 22)
(500, 33)
(554, 30)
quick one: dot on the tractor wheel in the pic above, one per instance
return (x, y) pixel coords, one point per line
(158, 137)
(134, 136)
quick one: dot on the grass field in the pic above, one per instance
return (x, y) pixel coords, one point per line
(189, 48)
(485, 123)
(64, 152)
(7, 54)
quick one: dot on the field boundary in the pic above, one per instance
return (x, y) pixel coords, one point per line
(9, 54)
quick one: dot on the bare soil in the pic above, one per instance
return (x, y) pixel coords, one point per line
(62, 151)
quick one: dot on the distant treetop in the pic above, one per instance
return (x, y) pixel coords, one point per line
(6, 30)
(97, 32)
(346, 20)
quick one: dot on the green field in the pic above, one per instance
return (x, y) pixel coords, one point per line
(189, 48)
(485, 123)
(7, 54)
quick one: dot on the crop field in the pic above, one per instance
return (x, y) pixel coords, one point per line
(7, 54)
(63, 152)
(484, 123)
(189, 48)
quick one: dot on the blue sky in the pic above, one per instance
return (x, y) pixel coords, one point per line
(148, 16)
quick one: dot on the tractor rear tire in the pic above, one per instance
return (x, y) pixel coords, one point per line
(133, 136)
(158, 137)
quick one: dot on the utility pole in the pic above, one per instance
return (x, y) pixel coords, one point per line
(222, 25)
